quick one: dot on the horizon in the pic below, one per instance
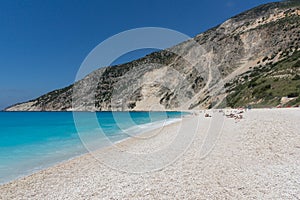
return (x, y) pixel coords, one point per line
(44, 43)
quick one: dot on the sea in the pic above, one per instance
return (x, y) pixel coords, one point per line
(32, 141)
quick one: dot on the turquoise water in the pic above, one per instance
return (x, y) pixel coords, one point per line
(31, 141)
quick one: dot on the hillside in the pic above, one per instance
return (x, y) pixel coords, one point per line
(252, 58)
(269, 86)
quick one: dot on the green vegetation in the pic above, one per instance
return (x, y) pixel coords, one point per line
(286, 23)
(51, 96)
(264, 86)
(290, 3)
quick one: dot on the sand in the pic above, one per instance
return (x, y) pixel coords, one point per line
(257, 157)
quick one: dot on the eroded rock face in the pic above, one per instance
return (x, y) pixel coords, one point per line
(186, 76)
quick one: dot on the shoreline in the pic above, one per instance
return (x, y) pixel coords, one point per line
(145, 132)
(259, 151)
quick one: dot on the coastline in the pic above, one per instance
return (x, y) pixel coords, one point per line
(257, 156)
(46, 166)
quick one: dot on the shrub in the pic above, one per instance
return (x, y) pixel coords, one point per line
(293, 95)
(264, 59)
(296, 77)
(252, 84)
(297, 64)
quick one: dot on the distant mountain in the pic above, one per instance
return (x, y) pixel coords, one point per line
(256, 54)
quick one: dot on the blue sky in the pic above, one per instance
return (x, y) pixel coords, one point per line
(43, 43)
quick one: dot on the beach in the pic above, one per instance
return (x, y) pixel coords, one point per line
(256, 157)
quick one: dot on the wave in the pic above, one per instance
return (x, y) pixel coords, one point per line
(144, 128)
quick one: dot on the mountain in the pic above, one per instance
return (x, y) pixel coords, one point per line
(250, 59)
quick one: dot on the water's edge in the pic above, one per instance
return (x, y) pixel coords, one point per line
(53, 164)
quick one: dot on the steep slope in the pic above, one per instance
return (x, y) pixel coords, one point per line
(192, 75)
(273, 85)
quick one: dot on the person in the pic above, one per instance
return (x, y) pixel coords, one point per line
(207, 115)
(249, 107)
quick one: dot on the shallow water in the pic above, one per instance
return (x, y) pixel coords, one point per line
(30, 141)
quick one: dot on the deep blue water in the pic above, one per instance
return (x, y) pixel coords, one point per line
(30, 141)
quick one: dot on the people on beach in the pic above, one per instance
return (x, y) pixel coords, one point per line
(207, 115)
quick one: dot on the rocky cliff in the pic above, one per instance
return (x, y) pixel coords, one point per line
(252, 58)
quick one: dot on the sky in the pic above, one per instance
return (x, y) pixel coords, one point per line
(43, 43)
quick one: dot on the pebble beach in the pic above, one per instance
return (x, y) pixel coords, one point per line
(253, 157)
